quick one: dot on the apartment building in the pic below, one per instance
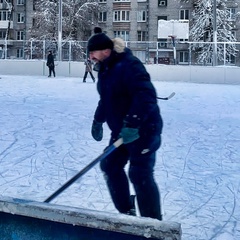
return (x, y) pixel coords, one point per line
(136, 21)
(20, 13)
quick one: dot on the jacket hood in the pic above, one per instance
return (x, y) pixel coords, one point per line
(118, 45)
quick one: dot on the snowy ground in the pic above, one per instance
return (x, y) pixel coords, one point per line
(45, 139)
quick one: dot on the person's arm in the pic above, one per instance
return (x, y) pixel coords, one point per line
(99, 115)
(143, 94)
(47, 61)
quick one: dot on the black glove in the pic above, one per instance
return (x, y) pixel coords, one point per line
(97, 130)
(129, 134)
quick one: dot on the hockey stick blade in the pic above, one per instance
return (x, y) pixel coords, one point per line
(167, 98)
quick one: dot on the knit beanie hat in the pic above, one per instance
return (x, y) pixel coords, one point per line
(99, 41)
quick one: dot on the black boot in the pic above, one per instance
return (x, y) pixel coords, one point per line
(132, 210)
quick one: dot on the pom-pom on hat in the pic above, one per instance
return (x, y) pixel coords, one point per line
(99, 41)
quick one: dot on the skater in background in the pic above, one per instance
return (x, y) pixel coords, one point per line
(128, 104)
(50, 64)
(88, 69)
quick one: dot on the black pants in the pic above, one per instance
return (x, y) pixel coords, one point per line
(51, 70)
(140, 174)
(85, 76)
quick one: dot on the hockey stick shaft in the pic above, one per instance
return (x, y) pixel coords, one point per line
(108, 151)
(167, 98)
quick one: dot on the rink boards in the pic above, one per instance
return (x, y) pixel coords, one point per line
(23, 219)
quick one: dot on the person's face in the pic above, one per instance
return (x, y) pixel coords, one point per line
(99, 55)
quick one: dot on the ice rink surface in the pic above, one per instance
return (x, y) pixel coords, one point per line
(45, 140)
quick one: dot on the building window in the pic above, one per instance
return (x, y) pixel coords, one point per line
(20, 35)
(162, 3)
(207, 36)
(162, 43)
(141, 36)
(122, 34)
(2, 34)
(4, 15)
(183, 57)
(102, 1)
(102, 16)
(234, 34)
(33, 22)
(20, 17)
(231, 13)
(20, 2)
(184, 14)
(162, 18)
(141, 16)
(121, 16)
(19, 53)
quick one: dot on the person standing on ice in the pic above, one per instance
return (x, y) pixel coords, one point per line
(50, 64)
(88, 69)
(128, 104)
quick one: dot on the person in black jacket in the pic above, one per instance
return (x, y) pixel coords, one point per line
(50, 64)
(128, 104)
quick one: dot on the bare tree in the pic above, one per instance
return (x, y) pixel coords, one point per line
(78, 17)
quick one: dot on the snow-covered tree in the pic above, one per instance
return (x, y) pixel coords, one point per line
(201, 30)
(78, 16)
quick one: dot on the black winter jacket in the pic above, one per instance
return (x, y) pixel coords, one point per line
(127, 96)
(50, 60)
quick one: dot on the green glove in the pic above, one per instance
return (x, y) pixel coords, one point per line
(97, 130)
(129, 134)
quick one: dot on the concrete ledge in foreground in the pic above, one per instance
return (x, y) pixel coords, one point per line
(24, 219)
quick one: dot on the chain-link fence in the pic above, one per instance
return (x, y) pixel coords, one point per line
(161, 52)
(70, 50)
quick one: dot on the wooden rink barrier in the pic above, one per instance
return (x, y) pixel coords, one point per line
(25, 220)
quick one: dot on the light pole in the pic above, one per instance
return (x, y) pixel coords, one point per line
(60, 31)
(214, 32)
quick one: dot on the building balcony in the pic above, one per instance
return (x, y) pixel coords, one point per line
(4, 24)
(5, 5)
(9, 42)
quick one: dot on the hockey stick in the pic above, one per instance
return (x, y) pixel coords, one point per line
(109, 150)
(167, 98)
